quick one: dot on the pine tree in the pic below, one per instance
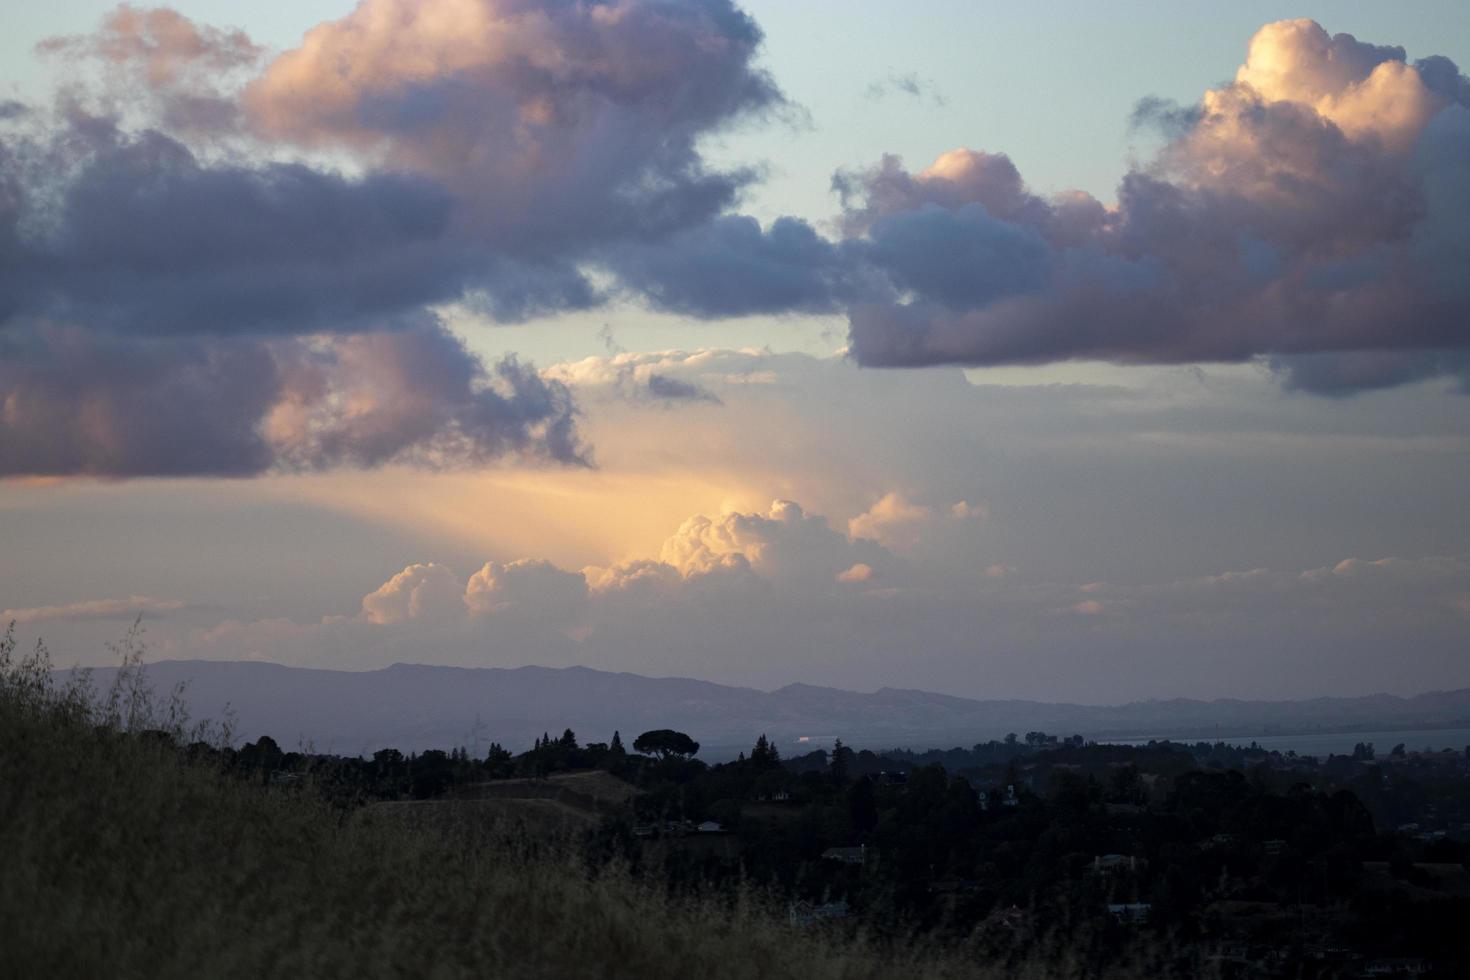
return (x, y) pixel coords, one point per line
(840, 768)
(765, 753)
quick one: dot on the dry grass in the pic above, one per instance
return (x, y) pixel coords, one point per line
(124, 859)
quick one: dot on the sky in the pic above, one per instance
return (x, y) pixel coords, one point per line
(1082, 353)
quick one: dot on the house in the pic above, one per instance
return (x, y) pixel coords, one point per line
(1395, 966)
(1010, 797)
(952, 885)
(1130, 913)
(847, 855)
(1114, 863)
(805, 913)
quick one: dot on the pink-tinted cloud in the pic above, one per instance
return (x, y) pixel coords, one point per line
(555, 124)
(91, 609)
(178, 70)
(73, 402)
(419, 591)
(1310, 213)
(1303, 210)
(160, 214)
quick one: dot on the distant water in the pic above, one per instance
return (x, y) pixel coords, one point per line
(1326, 743)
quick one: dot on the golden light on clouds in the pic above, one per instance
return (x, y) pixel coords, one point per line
(571, 517)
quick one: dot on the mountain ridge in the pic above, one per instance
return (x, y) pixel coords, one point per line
(420, 706)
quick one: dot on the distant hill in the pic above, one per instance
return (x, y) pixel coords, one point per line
(414, 707)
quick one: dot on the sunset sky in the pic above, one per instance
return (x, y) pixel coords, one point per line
(1075, 352)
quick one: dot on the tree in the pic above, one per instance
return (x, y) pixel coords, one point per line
(616, 746)
(765, 754)
(664, 743)
(499, 761)
(862, 805)
(1363, 752)
(841, 767)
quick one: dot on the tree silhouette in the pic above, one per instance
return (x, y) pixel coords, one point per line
(862, 805)
(665, 742)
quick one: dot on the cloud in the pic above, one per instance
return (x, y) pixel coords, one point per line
(160, 57)
(672, 389)
(555, 124)
(786, 544)
(92, 609)
(647, 378)
(530, 588)
(132, 233)
(904, 83)
(1303, 211)
(732, 267)
(764, 598)
(250, 235)
(894, 521)
(73, 402)
(1308, 214)
(419, 591)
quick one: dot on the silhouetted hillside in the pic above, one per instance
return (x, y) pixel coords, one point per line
(418, 706)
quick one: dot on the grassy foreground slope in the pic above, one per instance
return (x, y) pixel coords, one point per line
(124, 855)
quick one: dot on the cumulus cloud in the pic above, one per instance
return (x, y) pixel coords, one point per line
(419, 591)
(530, 587)
(133, 233)
(786, 544)
(731, 266)
(764, 598)
(555, 123)
(893, 521)
(73, 402)
(184, 201)
(161, 57)
(1288, 215)
(1308, 214)
(91, 609)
